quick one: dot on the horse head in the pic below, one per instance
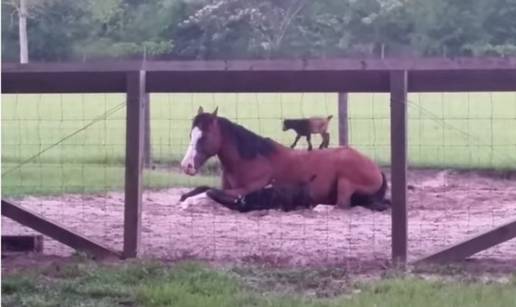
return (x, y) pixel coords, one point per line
(205, 141)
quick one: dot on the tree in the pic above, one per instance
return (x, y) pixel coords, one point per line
(54, 30)
(26, 9)
(22, 24)
(237, 28)
(125, 29)
(499, 26)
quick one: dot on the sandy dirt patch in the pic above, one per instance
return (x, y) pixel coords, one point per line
(444, 207)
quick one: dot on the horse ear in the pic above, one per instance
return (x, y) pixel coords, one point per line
(216, 111)
(200, 110)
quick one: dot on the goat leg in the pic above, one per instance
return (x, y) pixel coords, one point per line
(295, 142)
(308, 140)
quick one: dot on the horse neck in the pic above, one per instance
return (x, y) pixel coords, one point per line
(228, 156)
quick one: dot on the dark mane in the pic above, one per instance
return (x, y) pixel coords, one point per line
(248, 143)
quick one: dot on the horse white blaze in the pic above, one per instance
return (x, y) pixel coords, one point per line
(187, 164)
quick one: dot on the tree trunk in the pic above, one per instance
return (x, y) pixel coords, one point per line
(22, 23)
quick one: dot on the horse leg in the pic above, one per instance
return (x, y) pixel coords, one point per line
(344, 193)
(295, 142)
(233, 202)
(196, 191)
(308, 138)
(249, 187)
(225, 182)
(223, 198)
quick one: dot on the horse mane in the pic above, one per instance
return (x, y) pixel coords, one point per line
(249, 144)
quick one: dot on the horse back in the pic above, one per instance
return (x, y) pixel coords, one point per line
(330, 165)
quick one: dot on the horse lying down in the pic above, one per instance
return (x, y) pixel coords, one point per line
(284, 197)
(248, 161)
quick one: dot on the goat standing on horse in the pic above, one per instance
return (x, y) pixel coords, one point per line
(344, 176)
(308, 126)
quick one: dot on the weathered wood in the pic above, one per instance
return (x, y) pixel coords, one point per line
(22, 243)
(347, 75)
(413, 64)
(54, 230)
(71, 67)
(147, 148)
(134, 162)
(398, 82)
(462, 80)
(76, 82)
(267, 81)
(473, 245)
(343, 119)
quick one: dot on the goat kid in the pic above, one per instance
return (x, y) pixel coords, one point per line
(308, 126)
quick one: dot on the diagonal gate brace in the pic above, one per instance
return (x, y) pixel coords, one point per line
(55, 230)
(473, 245)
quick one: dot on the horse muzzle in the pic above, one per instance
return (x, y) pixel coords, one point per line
(189, 169)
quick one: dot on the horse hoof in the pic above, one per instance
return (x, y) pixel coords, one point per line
(380, 207)
(184, 205)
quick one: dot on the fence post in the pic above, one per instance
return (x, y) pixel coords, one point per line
(134, 162)
(398, 87)
(147, 152)
(343, 119)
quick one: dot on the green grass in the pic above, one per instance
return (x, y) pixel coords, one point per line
(457, 130)
(55, 179)
(194, 284)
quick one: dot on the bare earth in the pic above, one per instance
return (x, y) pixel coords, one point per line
(444, 207)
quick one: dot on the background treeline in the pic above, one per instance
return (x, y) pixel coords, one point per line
(64, 30)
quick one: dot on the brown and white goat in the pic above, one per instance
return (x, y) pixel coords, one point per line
(308, 126)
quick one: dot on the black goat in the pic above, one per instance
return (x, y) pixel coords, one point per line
(286, 197)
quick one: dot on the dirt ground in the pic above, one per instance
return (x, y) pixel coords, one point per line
(444, 207)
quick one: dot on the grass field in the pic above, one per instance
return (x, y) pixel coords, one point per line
(194, 284)
(445, 130)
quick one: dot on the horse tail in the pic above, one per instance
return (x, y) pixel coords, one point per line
(375, 201)
(380, 194)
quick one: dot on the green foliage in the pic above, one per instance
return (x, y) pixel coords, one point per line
(208, 29)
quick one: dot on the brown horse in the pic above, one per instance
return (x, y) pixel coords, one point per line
(344, 177)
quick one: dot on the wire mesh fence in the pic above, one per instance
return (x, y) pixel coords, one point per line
(63, 156)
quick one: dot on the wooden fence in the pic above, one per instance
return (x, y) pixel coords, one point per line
(137, 79)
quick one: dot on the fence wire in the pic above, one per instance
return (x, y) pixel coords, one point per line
(63, 156)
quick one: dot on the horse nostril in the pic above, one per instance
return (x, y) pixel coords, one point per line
(189, 166)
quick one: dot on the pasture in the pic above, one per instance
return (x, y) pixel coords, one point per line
(80, 180)
(449, 130)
